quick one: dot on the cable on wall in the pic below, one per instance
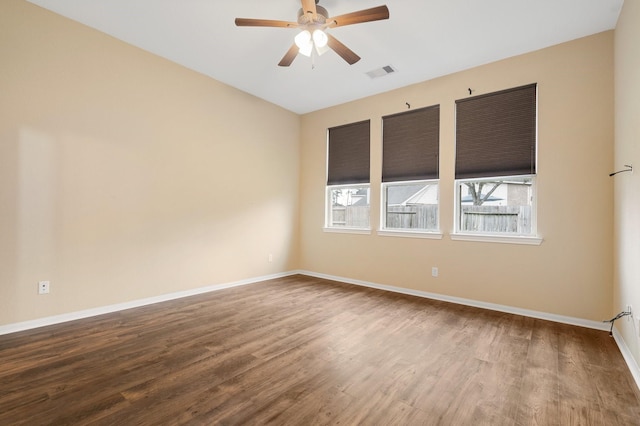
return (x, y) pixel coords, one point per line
(612, 320)
(629, 169)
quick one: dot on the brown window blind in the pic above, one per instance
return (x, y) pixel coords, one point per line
(348, 154)
(410, 145)
(496, 134)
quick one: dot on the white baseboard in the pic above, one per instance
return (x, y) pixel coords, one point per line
(56, 319)
(626, 353)
(468, 302)
(628, 357)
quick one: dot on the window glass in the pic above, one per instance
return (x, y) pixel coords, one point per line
(410, 205)
(348, 206)
(496, 205)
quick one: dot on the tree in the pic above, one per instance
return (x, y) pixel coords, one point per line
(336, 194)
(475, 190)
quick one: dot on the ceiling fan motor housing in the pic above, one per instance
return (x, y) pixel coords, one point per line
(321, 16)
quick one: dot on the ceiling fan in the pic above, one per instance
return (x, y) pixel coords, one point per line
(313, 20)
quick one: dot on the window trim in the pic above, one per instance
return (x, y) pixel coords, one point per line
(532, 238)
(345, 230)
(496, 238)
(430, 235)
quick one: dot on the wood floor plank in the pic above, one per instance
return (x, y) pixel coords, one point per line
(325, 404)
(306, 351)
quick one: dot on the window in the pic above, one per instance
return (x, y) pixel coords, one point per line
(410, 206)
(496, 205)
(348, 206)
(347, 195)
(410, 147)
(496, 163)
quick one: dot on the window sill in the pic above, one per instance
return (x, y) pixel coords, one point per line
(506, 239)
(410, 234)
(347, 230)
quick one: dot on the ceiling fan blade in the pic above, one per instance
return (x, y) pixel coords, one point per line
(289, 56)
(342, 50)
(309, 7)
(248, 22)
(366, 15)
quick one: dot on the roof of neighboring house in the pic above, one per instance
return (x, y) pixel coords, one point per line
(427, 195)
(400, 194)
(419, 193)
(361, 195)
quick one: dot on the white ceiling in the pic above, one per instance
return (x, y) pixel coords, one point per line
(422, 39)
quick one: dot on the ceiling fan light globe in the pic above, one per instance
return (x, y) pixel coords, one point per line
(322, 50)
(320, 38)
(303, 39)
(306, 49)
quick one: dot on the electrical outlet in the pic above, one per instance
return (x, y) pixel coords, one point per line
(43, 287)
(434, 271)
(270, 257)
(630, 310)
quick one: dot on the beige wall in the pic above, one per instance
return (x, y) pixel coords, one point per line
(124, 176)
(571, 272)
(627, 186)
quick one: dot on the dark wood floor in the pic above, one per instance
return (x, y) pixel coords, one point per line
(300, 350)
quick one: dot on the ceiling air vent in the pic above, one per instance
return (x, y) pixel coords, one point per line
(380, 72)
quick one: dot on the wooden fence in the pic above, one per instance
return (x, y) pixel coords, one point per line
(422, 216)
(351, 216)
(504, 219)
(492, 219)
(398, 217)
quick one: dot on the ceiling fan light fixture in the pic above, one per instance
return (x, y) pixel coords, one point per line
(322, 50)
(306, 50)
(304, 42)
(320, 39)
(303, 39)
